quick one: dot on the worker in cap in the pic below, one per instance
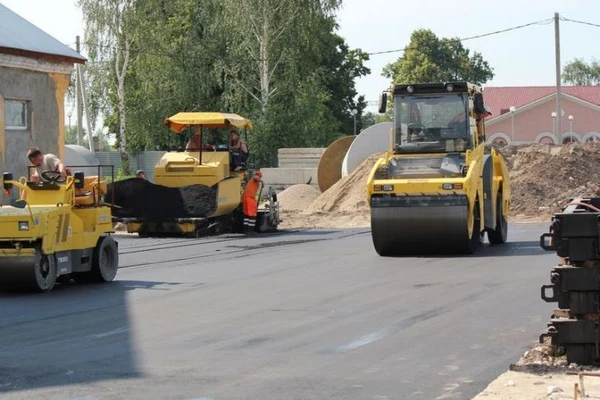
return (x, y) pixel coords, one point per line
(250, 202)
(140, 174)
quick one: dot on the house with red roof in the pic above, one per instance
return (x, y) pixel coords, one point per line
(525, 114)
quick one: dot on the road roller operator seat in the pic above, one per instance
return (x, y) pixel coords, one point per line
(91, 192)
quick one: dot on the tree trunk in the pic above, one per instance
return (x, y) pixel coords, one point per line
(121, 71)
(264, 62)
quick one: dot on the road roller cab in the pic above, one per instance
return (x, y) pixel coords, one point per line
(439, 188)
(58, 230)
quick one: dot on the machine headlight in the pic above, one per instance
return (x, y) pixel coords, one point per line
(23, 225)
(451, 186)
(383, 188)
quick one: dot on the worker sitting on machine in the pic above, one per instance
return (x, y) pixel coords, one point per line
(250, 203)
(195, 142)
(238, 152)
(45, 162)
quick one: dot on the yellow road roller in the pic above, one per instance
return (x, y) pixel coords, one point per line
(58, 230)
(439, 189)
(197, 189)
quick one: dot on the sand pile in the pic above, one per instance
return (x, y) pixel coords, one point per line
(543, 178)
(343, 205)
(297, 197)
(139, 198)
(349, 194)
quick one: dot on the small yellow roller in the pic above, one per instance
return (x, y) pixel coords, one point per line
(59, 230)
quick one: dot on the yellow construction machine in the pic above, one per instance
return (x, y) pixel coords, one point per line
(439, 188)
(58, 230)
(208, 164)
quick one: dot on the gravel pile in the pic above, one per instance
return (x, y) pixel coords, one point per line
(139, 198)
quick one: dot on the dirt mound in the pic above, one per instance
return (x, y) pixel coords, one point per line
(349, 194)
(544, 178)
(297, 197)
(139, 198)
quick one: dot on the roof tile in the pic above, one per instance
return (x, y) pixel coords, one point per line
(500, 99)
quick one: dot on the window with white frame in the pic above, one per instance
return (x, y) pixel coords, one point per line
(15, 114)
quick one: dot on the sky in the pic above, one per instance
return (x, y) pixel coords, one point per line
(522, 57)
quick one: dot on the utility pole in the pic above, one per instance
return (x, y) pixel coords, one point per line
(87, 111)
(558, 80)
(78, 94)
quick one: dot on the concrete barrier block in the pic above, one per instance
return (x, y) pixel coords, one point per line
(289, 176)
(293, 151)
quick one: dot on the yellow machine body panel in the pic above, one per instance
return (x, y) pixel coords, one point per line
(439, 188)
(229, 195)
(176, 169)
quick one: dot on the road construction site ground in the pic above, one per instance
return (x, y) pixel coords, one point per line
(293, 315)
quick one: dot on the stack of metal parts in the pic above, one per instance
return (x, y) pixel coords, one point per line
(575, 283)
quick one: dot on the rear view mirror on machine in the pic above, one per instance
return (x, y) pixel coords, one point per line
(79, 180)
(478, 103)
(382, 102)
(6, 177)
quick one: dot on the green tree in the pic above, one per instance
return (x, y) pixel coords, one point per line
(370, 119)
(70, 134)
(580, 73)
(300, 95)
(428, 58)
(109, 35)
(232, 56)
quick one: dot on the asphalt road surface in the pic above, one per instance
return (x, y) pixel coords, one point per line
(297, 315)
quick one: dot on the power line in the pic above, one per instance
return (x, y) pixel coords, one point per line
(579, 22)
(541, 22)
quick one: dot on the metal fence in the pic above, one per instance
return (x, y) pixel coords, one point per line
(145, 160)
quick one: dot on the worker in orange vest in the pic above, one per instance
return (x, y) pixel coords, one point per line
(250, 203)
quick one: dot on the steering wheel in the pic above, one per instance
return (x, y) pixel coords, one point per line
(53, 177)
(416, 126)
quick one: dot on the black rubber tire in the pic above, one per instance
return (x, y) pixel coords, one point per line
(500, 234)
(475, 241)
(105, 262)
(45, 274)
